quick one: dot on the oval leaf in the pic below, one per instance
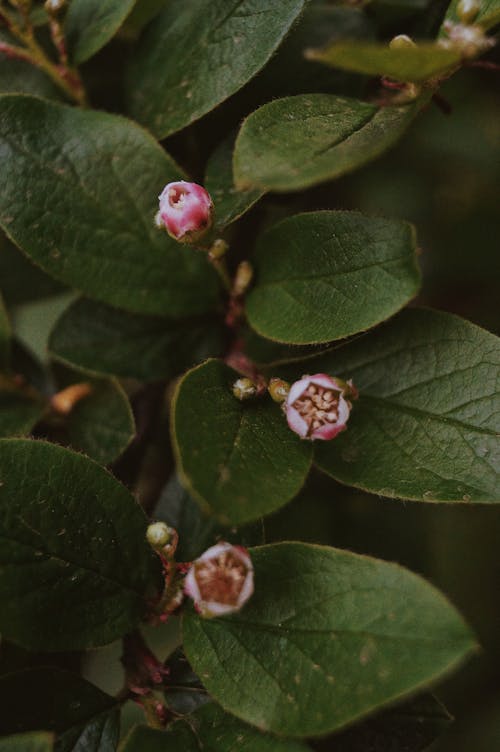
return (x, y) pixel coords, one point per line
(326, 275)
(101, 424)
(71, 534)
(328, 637)
(210, 727)
(296, 142)
(62, 702)
(79, 195)
(98, 338)
(90, 24)
(230, 203)
(407, 64)
(196, 54)
(426, 423)
(239, 458)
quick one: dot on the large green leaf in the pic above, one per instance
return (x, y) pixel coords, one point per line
(296, 142)
(36, 741)
(71, 535)
(101, 424)
(84, 718)
(196, 54)
(327, 637)
(487, 17)
(210, 729)
(90, 24)
(239, 458)
(230, 203)
(99, 338)
(427, 60)
(426, 423)
(325, 275)
(21, 280)
(79, 192)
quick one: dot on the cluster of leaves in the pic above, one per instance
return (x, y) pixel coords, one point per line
(329, 636)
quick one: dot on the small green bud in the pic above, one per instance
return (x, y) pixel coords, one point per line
(401, 42)
(244, 389)
(243, 277)
(218, 249)
(158, 534)
(467, 10)
(278, 389)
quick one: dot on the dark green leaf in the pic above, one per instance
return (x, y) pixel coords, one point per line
(142, 13)
(22, 77)
(37, 741)
(210, 729)
(426, 424)
(296, 142)
(101, 424)
(79, 194)
(327, 637)
(239, 458)
(84, 718)
(184, 692)
(20, 407)
(488, 16)
(230, 203)
(4, 336)
(427, 60)
(71, 535)
(21, 280)
(90, 24)
(197, 529)
(326, 275)
(196, 54)
(405, 728)
(98, 338)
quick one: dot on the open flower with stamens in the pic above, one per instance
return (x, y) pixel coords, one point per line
(221, 580)
(317, 406)
(186, 211)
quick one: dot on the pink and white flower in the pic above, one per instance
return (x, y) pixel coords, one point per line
(316, 406)
(186, 211)
(221, 580)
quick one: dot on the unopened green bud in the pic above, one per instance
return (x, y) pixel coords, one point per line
(218, 249)
(243, 277)
(244, 389)
(401, 42)
(278, 389)
(467, 10)
(158, 534)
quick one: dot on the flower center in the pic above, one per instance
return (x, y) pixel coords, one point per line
(221, 579)
(176, 197)
(318, 406)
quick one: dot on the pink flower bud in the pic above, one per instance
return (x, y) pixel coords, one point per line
(186, 211)
(221, 580)
(317, 408)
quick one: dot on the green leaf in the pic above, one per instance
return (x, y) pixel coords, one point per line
(296, 142)
(101, 424)
(488, 16)
(98, 338)
(410, 727)
(79, 195)
(142, 13)
(196, 54)
(184, 692)
(420, 63)
(90, 24)
(20, 409)
(327, 637)
(325, 275)
(239, 458)
(22, 77)
(230, 203)
(21, 280)
(62, 702)
(71, 535)
(426, 423)
(38, 741)
(210, 729)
